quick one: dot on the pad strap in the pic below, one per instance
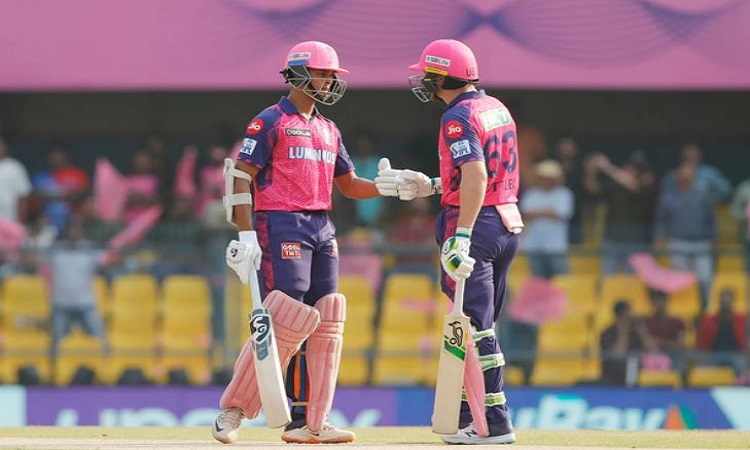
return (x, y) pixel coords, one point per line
(231, 199)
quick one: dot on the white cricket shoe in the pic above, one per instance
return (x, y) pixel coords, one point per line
(327, 435)
(469, 436)
(226, 428)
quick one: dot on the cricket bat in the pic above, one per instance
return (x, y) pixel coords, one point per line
(450, 375)
(267, 366)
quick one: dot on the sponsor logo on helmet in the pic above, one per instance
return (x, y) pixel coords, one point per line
(248, 145)
(298, 132)
(291, 250)
(255, 126)
(299, 56)
(460, 148)
(438, 61)
(453, 129)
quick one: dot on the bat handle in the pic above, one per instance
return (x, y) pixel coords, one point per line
(254, 289)
(458, 297)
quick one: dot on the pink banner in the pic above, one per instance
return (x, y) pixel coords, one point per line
(134, 232)
(240, 44)
(657, 277)
(110, 190)
(12, 234)
(538, 301)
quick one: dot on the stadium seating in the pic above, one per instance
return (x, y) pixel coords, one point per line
(557, 372)
(733, 280)
(569, 336)
(101, 289)
(25, 312)
(79, 350)
(685, 304)
(581, 291)
(710, 376)
(185, 334)
(663, 378)
(359, 329)
(513, 376)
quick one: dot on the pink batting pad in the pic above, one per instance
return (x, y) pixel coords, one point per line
(323, 358)
(293, 321)
(474, 386)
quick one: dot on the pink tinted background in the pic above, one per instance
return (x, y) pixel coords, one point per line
(240, 44)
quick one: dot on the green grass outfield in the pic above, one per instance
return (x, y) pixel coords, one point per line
(405, 437)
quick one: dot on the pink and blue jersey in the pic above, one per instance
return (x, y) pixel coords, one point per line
(478, 127)
(297, 158)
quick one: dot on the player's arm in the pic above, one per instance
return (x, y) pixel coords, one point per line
(472, 190)
(351, 186)
(242, 214)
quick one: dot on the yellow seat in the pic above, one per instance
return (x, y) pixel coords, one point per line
(101, 289)
(732, 280)
(134, 296)
(80, 350)
(710, 376)
(513, 376)
(401, 370)
(196, 364)
(569, 337)
(186, 312)
(581, 291)
(557, 372)
(132, 349)
(589, 264)
(360, 313)
(730, 263)
(652, 378)
(685, 304)
(625, 287)
(400, 286)
(26, 304)
(353, 371)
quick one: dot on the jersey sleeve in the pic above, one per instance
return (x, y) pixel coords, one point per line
(344, 162)
(260, 137)
(461, 137)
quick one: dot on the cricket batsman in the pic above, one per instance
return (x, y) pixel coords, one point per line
(292, 156)
(478, 227)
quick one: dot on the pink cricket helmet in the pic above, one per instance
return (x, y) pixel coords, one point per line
(448, 57)
(314, 55)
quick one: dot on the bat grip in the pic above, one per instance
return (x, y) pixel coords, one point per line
(254, 289)
(458, 297)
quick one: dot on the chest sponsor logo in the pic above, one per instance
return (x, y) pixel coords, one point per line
(453, 129)
(495, 118)
(248, 145)
(438, 61)
(291, 250)
(255, 127)
(298, 132)
(460, 148)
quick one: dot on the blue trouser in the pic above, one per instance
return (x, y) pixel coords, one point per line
(493, 247)
(300, 259)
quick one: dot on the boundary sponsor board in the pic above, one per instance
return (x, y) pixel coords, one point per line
(593, 408)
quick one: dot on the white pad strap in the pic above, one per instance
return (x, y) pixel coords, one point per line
(490, 399)
(231, 199)
(479, 335)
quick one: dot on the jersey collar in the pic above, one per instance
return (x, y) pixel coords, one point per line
(466, 95)
(288, 107)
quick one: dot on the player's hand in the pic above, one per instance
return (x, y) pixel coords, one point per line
(386, 182)
(454, 256)
(244, 255)
(412, 184)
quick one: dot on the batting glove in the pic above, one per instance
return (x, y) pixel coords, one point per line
(244, 255)
(386, 182)
(454, 256)
(411, 184)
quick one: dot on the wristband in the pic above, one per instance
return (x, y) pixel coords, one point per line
(247, 236)
(463, 232)
(435, 186)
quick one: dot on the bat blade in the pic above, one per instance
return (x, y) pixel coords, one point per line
(268, 370)
(450, 376)
(267, 365)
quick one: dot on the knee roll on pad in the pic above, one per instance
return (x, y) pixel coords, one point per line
(323, 358)
(293, 322)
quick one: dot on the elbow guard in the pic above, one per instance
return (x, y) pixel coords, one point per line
(232, 199)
